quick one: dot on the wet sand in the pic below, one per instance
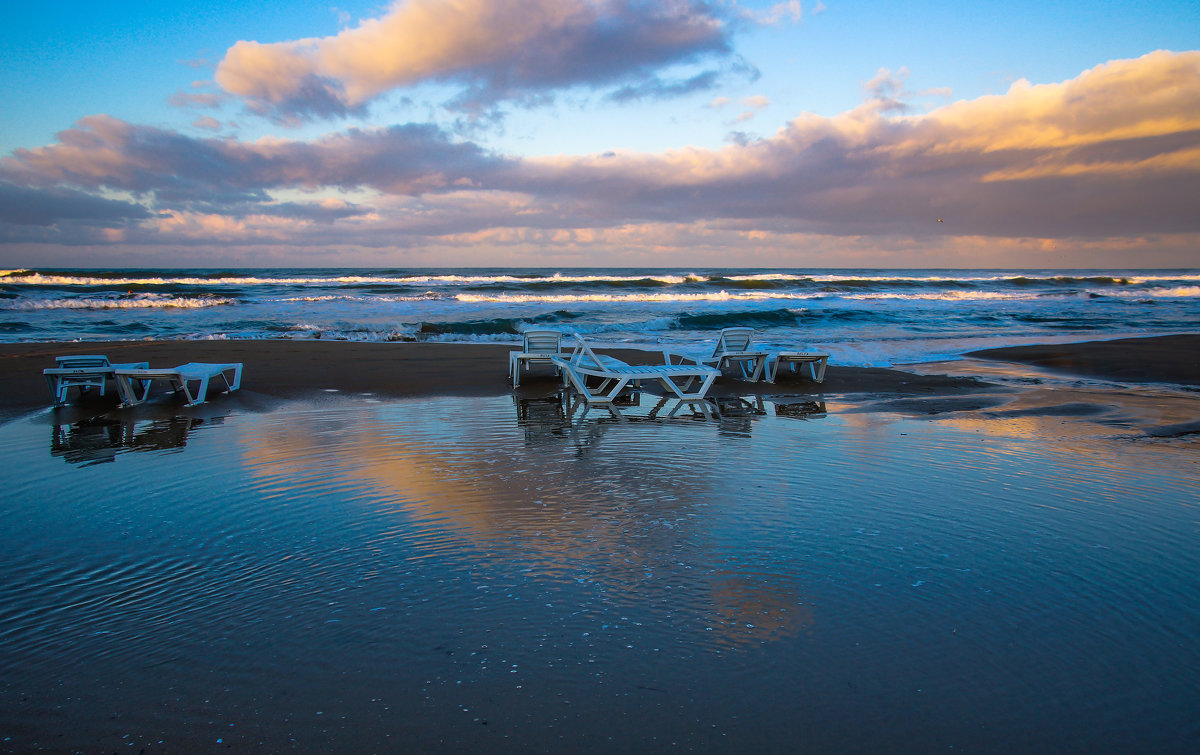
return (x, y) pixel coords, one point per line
(285, 370)
(454, 575)
(296, 369)
(1158, 359)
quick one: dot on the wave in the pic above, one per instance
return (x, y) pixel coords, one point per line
(631, 285)
(139, 301)
(362, 299)
(1181, 292)
(493, 326)
(761, 296)
(1060, 280)
(31, 278)
(717, 320)
(625, 298)
(549, 284)
(776, 318)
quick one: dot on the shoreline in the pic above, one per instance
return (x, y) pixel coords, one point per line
(286, 369)
(1150, 359)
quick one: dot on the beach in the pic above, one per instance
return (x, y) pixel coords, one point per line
(380, 546)
(289, 369)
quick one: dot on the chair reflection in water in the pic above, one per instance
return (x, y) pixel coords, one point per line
(95, 441)
(801, 408)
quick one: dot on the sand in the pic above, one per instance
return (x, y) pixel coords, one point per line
(286, 369)
(1158, 359)
(294, 369)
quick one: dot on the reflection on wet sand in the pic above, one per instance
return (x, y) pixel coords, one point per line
(799, 407)
(556, 417)
(468, 573)
(97, 440)
(569, 506)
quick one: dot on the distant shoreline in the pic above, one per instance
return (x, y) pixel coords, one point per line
(1156, 359)
(286, 369)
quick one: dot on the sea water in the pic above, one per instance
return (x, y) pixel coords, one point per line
(492, 574)
(861, 317)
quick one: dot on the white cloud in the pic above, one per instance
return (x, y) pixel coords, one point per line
(493, 49)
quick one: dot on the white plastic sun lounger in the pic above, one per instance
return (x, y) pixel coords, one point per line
(686, 382)
(540, 347)
(792, 360)
(192, 378)
(733, 347)
(84, 372)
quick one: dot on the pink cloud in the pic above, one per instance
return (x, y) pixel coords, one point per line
(495, 49)
(1114, 151)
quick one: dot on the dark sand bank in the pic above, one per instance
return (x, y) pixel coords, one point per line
(1158, 359)
(293, 369)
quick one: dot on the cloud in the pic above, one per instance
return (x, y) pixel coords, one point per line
(198, 99)
(1108, 160)
(887, 91)
(207, 123)
(493, 50)
(102, 152)
(23, 205)
(790, 10)
(656, 88)
(1115, 151)
(754, 103)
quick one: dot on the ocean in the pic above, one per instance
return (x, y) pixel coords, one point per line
(861, 317)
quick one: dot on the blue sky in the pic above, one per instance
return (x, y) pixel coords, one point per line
(606, 132)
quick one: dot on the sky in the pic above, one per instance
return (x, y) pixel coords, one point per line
(677, 133)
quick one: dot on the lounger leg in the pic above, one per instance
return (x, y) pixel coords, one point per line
(129, 395)
(616, 391)
(760, 367)
(201, 393)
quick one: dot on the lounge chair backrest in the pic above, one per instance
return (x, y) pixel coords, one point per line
(543, 342)
(733, 340)
(583, 354)
(82, 362)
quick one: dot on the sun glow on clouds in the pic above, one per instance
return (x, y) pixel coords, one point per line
(497, 49)
(1106, 164)
(208, 226)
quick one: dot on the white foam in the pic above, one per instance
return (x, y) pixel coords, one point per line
(141, 302)
(23, 277)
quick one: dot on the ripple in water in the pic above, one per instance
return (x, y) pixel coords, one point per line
(451, 568)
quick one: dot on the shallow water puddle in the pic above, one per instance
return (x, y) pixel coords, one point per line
(489, 573)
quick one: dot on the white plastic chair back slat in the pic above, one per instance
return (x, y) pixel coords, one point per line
(733, 340)
(81, 362)
(543, 342)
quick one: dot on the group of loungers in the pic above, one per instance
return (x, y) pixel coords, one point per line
(601, 379)
(134, 380)
(596, 378)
